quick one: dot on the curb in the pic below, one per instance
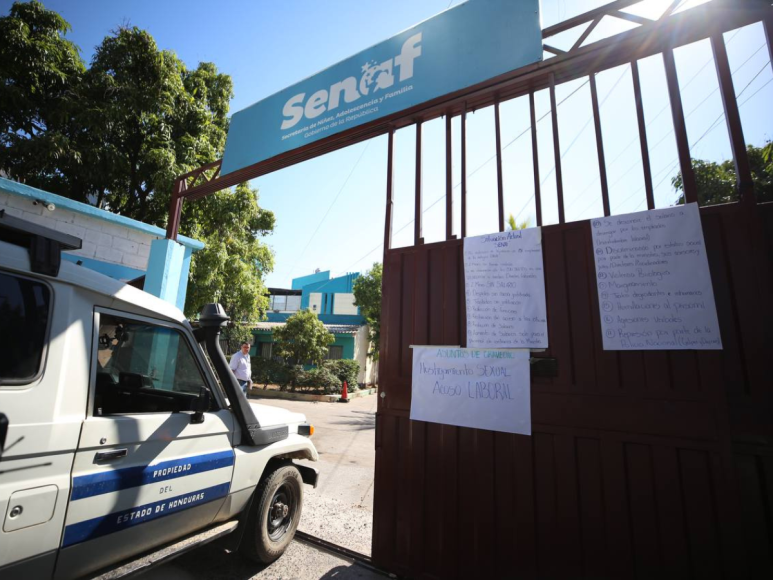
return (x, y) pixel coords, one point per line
(258, 393)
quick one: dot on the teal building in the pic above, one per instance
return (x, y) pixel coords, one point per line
(332, 299)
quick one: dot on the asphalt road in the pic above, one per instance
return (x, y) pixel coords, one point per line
(339, 510)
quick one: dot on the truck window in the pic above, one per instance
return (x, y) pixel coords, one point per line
(144, 368)
(24, 309)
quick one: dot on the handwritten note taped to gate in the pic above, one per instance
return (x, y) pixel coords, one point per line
(467, 387)
(653, 280)
(505, 290)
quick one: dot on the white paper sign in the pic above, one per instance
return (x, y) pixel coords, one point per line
(653, 281)
(467, 387)
(505, 290)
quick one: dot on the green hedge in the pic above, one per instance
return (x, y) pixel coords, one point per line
(327, 379)
(345, 370)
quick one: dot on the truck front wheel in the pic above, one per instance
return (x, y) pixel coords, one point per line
(274, 514)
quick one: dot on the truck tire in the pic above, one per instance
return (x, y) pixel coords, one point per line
(274, 514)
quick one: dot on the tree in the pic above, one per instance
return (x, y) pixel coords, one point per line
(716, 182)
(513, 225)
(229, 268)
(303, 338)
(118, 133)
(40, 72)
(367, 296)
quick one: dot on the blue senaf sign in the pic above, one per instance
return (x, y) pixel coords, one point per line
(458, 48)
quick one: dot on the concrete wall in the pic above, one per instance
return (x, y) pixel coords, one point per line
(112, 244)
(367, 374)
(103, 241)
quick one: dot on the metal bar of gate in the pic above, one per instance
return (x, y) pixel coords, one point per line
(733, 120)
(464, 172)
(599, 143)
(680, 128)
(557, 150)
(645, 151)
(175, 207)
(390, 193)
(449, 184)
(500, 190)
(535, 159)
(417, 239)
(767, 25)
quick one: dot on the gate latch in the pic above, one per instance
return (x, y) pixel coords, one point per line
(543, 367)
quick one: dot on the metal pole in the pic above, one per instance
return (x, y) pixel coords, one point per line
(464, 171)
(535, 159)
(645, 152)
(680, 129)
(599, 144)
(175, 208)
(390, 194)
(557, 150)
(500, 189)
(449, 184)
(417, 234)
(733, 120)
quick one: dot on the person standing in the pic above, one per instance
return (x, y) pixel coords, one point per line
(240, 365)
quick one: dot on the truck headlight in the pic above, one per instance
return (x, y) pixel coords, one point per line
(306, 430)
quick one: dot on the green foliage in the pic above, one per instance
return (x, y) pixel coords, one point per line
(270, 372)
(39, 74)
(345, 370)
(236, 334)
(367, 296)
(118, 134)
(302, 339)
(513, 225)
(230, 268)
(319, 380)
(716, 182)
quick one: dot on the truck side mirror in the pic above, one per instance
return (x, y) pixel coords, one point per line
(201, 405)
(3, 431)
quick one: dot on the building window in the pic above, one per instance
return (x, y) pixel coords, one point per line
(335, 353)
(24, 307)
(293, 303)
(284, 303)
(266, 349)
(278, 303)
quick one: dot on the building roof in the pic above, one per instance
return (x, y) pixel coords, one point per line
(334, 328)
(284, 292)
(32, 193)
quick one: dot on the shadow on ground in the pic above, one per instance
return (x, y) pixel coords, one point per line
(299, 561)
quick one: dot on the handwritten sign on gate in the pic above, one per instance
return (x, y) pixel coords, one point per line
(467, 387)
(653, 279)
(505, 290)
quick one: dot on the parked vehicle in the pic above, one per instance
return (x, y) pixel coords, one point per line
(118, 438)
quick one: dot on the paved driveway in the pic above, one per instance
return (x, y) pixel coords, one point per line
(340, 510)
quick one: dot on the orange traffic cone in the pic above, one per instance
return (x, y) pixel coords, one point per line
(344, 394)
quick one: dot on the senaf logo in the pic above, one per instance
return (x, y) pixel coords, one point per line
(375, 77)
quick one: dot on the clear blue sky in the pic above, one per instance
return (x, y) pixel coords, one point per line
(268, 45)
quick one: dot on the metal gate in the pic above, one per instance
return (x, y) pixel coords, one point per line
(641, 464)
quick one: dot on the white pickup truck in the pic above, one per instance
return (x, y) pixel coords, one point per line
(119, 444)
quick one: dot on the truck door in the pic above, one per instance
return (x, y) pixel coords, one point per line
(147, 470)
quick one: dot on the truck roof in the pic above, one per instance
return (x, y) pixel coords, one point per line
(17, 258)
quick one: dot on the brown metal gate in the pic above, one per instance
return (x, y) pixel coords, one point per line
(641, 464)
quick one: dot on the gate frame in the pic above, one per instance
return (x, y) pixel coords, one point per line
(652, 37)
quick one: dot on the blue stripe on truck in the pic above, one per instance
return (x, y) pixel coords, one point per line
(118, 521)
(109, 481)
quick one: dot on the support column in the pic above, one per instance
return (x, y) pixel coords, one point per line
(167, 275)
